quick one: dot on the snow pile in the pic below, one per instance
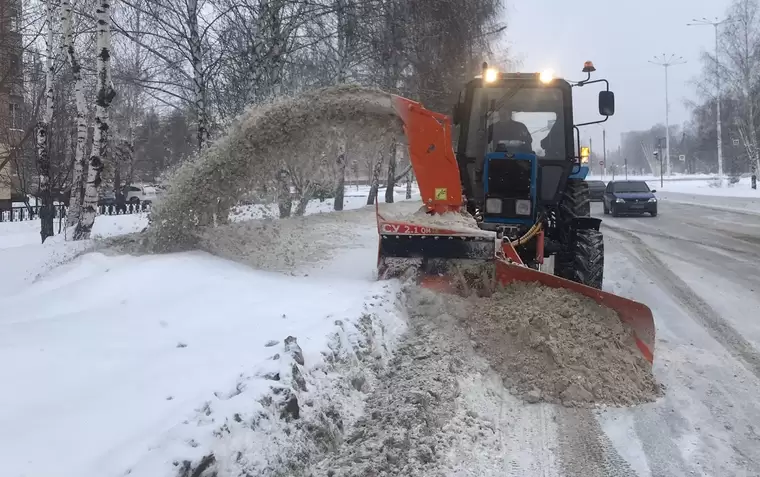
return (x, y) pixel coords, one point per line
(258, 147)
(417, 412)
(557, 346)
(401, 430)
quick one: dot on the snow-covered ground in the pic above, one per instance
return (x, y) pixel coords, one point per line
(129, 362)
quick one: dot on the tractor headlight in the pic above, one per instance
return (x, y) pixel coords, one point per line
(493, 206)
(620, 201)
(522, 207)
(652, 200)
(546, 76)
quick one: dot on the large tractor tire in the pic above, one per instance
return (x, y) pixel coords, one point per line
(576, 201)
(583, 259)
(582, 256)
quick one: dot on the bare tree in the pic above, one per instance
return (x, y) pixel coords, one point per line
(105, 94)
(741, 69)
(77, 182)
(43, 132)
(181, 38)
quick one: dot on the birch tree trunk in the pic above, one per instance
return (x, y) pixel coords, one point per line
(284, 199)
(340, 187)
(344, 45)
(390, 186)
(375, 181)
(199, 82)
(43, 129)
(77, 181)
(103, 100)
(303, 196)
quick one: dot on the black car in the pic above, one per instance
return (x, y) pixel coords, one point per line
(629, 197)
(596, 189)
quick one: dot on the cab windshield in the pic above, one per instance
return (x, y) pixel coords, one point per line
(517, 119)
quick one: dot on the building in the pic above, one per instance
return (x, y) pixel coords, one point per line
(11, 92)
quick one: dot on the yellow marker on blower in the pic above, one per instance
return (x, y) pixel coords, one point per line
(441, 193)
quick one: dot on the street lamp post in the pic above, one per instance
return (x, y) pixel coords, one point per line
(715, 24)
(666, 62)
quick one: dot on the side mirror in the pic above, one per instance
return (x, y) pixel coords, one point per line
(606, 103)
(653, 191)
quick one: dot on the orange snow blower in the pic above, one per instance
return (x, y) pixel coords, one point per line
(495, 208)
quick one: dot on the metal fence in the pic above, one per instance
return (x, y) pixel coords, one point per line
(19, 214)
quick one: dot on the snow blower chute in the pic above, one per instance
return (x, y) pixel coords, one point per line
(495, 208)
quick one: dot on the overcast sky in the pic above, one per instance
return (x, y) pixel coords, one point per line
(619, 37)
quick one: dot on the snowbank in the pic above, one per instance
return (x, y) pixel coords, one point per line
(17, 234)
(651, 177)
(708, 187)
(142, 363)
(355, 198)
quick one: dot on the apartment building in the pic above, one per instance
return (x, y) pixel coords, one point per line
(11, 92)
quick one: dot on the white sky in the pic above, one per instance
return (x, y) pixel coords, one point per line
(619, 36)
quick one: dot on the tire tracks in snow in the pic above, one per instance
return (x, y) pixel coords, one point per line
(725, 334)
(585, 450)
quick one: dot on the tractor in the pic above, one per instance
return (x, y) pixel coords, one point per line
(521, 164)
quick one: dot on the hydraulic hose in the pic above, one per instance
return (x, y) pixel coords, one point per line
(532, 232)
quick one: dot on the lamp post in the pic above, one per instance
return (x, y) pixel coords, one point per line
(715, 24)
(666, 62)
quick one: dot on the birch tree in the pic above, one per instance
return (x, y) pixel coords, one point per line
(77, 182)
(346, 53)
(177, 34)
(129, 71)
(741, 69)
(43, 132)
(105, 94)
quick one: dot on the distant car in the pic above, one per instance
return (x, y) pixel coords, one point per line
(141, 193)
(629, 197)
(596, 189)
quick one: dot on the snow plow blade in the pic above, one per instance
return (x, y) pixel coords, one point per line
(452, 261)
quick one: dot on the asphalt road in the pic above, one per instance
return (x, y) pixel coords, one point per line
(697, 269)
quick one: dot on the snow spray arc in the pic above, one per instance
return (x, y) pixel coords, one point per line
(262, 141)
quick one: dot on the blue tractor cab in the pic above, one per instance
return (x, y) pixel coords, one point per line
(521, 165)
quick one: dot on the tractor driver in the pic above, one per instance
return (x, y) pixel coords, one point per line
(554, 142)
(514, 134)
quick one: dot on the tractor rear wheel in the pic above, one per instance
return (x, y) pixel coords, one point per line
(581, 258)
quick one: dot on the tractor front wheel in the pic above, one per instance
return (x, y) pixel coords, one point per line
(582, 261)
(581, 258)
